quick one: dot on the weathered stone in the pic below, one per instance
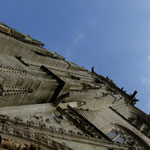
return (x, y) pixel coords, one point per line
(49, 103)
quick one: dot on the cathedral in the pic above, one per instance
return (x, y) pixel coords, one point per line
(48, 103)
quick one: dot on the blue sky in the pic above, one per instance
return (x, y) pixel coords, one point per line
(111, 35)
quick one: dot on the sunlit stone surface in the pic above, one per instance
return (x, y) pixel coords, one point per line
(47, 103)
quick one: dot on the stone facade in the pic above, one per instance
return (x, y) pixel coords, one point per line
(47, 103)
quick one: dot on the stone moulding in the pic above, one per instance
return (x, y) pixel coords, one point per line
(19, 36)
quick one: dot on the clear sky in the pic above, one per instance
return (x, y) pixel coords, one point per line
(111, 35)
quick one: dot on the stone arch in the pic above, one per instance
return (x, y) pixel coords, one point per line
(138, 141)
